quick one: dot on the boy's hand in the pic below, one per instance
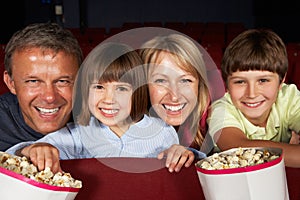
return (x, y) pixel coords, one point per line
(295, 139)
(43, 155)
(177, 156)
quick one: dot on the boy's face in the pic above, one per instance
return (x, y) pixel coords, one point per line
(253, 93)
(110, 103)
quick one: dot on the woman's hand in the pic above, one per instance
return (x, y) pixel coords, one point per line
(43, 155)
(177, 156)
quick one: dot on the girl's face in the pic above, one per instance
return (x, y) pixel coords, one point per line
(173, 91)
(110, 103)
(253, 93)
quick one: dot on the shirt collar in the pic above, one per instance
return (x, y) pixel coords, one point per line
(272, 125)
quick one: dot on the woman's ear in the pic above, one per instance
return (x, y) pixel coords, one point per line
(9, 82)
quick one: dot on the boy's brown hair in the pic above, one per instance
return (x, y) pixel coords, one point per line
(255, 49)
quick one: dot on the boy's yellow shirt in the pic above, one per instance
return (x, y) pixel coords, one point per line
(284, 117)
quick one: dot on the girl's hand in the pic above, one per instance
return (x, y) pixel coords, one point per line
(176, 157)
(43, 155)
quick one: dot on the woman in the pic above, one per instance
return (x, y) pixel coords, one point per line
(179, 87)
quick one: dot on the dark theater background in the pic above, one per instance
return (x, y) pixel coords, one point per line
(212, 23)
(281, 16)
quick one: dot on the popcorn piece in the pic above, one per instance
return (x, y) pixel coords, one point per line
(22, 165)
(239, 158)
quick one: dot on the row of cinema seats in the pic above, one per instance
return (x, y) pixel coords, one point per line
(214, 46)
(210, 32)
(293, 51)
(214, 36)
(3, 87)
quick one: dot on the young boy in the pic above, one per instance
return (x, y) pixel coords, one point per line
(258, 109)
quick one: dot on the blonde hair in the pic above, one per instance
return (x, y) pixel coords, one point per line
(106, 63)
(186, 54)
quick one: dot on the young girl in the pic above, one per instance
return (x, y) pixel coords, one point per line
(109, 110)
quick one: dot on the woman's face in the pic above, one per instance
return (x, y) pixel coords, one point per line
(173, 91)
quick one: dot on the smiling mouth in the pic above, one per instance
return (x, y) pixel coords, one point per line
(253, 105)
(174, 108)
(109, 111)
(47, 110)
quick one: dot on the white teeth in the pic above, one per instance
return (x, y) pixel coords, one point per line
(109, 111)
(252, 104)
(174, 108)
(45, 110)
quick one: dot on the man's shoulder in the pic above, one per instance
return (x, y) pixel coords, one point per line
(8, 99)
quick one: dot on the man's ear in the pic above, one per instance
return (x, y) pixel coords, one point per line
(9, 82)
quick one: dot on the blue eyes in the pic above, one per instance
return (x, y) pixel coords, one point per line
(117, 88)
(123, 89)
(186, 81)
(162, 81)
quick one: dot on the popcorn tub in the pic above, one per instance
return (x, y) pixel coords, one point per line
(15, 185)
(253, 179)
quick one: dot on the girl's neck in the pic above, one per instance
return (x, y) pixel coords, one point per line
(119, 131)
(121, 128)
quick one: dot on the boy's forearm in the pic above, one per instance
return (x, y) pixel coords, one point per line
(291, 152)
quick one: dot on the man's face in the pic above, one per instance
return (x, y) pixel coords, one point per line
(43, 83)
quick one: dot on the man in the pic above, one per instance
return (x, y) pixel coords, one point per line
(41, 62)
